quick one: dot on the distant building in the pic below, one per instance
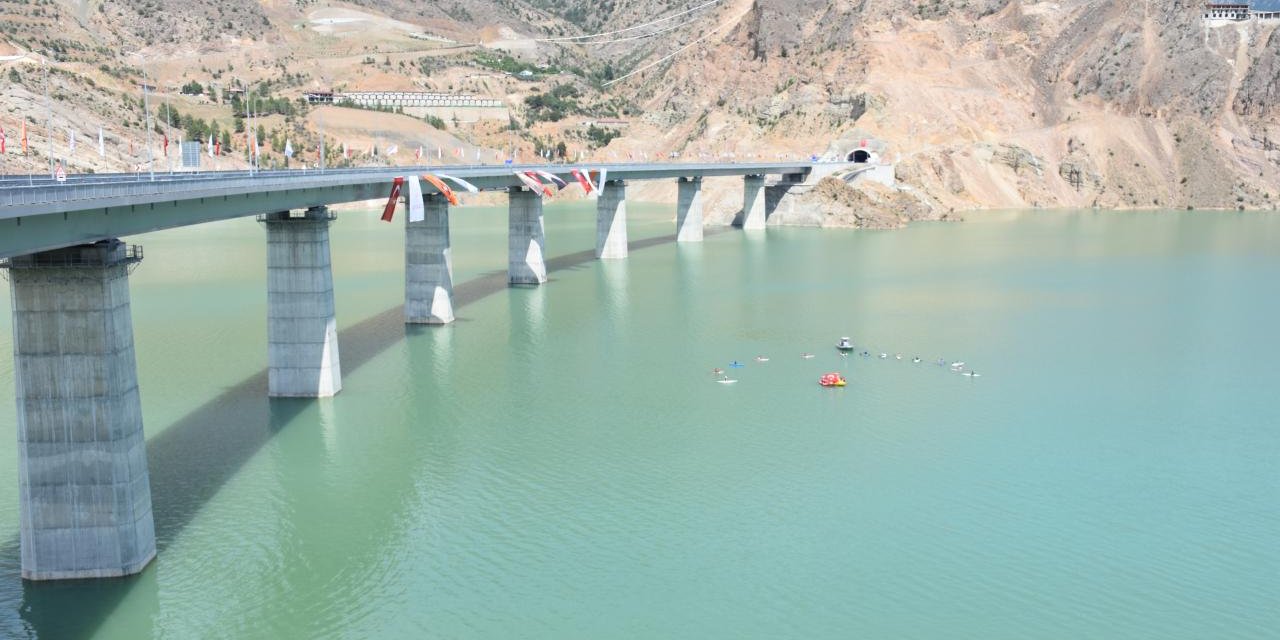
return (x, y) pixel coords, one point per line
(446, 106)
(319, 97)
(396, 99)
(1241, 10)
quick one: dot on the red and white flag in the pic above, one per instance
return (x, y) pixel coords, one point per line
(389, 212)
(217, 148)
(166, 145)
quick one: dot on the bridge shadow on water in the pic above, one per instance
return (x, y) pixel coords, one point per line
(191, 461)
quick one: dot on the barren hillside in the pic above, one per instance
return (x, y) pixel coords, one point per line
(982, 103)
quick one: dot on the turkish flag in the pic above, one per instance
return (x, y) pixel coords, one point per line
(390, 211)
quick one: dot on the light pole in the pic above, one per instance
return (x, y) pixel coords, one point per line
(48, 123)
(146, 108)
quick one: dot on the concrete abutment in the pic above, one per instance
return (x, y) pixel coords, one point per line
(84, 490)
(611, 221)
(302, 328)
(428, 265)
(526, 238)
(689, 210)
(753, 203)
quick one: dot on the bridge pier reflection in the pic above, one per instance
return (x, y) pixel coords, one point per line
(302, 328)
(84, 491)
(428, 265)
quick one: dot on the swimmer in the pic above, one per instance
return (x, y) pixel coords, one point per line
(866, 354)
(916, 360)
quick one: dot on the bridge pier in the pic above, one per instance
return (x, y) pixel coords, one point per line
(526, 238)
(689, 210)
(753, 210)
(302, 329)
(84, 492)
(428, 265)
(611, 221)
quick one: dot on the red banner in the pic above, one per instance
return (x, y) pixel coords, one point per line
(582, 180)
(390, 211)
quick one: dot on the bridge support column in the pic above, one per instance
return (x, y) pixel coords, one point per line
(753, 211)
(302, 329)
(689, 210)
(428, 265)
(526, 238)
(611, 221)
(84, 493)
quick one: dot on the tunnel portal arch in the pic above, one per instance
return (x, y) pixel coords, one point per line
(861, 156)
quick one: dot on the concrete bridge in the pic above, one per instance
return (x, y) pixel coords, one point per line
(84, 489)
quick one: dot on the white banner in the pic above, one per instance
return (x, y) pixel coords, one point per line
(416, 213)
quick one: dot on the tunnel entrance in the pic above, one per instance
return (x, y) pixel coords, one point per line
(861, 156)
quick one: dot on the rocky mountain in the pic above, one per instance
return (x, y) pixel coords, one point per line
(979, 103)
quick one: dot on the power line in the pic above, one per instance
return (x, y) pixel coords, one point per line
(639, 37)
(633, 28)
(670, 55)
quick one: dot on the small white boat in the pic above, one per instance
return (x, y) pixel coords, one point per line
(971, 374)
(883, 356)
(726, 381)
(761, 359)
(845, 344)
(957, 365)
(807, 356)
(897, 357)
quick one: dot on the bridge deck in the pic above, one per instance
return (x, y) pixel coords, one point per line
(38, 213)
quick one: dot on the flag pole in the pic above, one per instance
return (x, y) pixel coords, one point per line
(168, 131)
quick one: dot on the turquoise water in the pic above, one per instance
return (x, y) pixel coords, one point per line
(560, 464)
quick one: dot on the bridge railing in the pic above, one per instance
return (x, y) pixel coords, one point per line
(19, 191)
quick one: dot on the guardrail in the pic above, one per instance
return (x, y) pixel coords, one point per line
(102, 254)
(17, 193)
